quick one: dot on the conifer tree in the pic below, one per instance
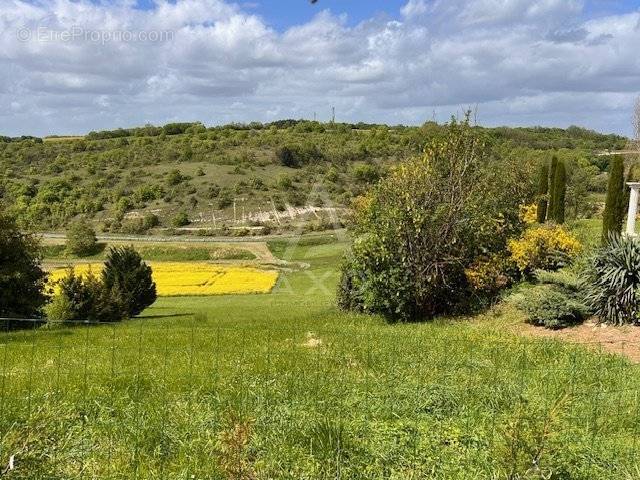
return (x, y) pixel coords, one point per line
(552, 176)
(543, 189)
(614, 205)
(559, 190)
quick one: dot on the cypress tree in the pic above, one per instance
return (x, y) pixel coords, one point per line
(543, 189)
(614, 205)
(559, 193)
(552, 176)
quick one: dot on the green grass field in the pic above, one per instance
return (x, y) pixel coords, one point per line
(286, 386)
(157, 252)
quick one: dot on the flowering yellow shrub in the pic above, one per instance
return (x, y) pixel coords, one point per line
(491, 274)
(181, 279)
(529, 213)
(545, 247)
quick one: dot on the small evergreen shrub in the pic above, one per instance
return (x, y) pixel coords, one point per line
(552, 307)
(544, 247)
(126, 275)
(564, 278)
(612, 280)
(85, 299)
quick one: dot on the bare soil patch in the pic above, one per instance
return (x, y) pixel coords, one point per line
(619, 340)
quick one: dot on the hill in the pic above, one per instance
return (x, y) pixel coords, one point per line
(241, 179)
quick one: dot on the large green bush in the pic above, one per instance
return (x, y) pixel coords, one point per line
(85, 299)
(81, 238)
(421, 227)
(124, 290)
(612, 279)
(22, 280)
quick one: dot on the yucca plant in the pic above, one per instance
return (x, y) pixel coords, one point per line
(612, 280)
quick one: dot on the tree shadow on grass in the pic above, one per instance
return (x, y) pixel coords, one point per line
(166, 315)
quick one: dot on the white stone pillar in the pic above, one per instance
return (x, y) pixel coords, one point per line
(633, 208)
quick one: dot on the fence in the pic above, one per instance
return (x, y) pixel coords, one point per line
(196, 397)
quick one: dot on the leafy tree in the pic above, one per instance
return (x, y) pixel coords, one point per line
(559, 193)
(614, 203)
(128, 276)
(22, 280)
(81, 238)
(421, 227)
(543, 189)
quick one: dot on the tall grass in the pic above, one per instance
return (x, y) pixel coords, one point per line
(233, 387)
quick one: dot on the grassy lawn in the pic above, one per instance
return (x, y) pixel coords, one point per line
(286, 386)
(157, 252)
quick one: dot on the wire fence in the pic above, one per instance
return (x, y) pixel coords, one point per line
(194, 397)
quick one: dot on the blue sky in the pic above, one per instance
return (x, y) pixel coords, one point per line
(519, 62)
(283, 14)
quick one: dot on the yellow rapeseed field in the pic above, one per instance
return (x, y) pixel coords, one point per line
(181, 279)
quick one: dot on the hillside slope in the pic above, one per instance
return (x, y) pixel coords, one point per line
(235, 178)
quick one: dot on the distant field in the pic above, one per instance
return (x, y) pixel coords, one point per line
(286, 386)
(175, 279)
(55, 251)
(62, 139)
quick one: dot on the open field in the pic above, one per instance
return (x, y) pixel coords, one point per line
(55, 251)
(286, 386)
(174, 279)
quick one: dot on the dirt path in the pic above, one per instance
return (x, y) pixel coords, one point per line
(620, 340)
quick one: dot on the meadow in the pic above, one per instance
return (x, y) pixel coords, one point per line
(286, 386)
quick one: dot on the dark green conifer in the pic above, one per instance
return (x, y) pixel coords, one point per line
(614, 204)
(543, 189)
(559, 193)
(552, 176)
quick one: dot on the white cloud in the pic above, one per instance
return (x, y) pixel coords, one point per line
(521, 61)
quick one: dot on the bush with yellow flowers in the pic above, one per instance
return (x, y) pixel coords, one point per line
(489, 275)
(547, 247)
(529, 213)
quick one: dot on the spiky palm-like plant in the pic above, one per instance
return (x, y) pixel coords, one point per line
(612, 281)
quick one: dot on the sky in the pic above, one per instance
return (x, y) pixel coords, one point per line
(72, 66)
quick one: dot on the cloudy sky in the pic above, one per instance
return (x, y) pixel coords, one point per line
(73, 66)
